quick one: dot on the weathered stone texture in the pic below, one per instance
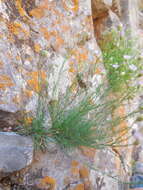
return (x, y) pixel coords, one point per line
(16, 152)
(53, 41)
(62, 29)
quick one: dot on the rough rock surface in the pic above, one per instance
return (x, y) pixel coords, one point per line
(54, 38)
(16, 152)
(61, 30)
(41, 35)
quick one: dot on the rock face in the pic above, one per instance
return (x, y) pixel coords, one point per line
(54, 38)
(48, 39)
(43, 35)
(104, 12)
(16, 152)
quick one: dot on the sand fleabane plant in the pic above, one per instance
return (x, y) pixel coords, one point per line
(84, 119)
(79, 118)
(122, 59)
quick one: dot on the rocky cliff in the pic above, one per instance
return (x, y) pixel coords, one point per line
(54, 41)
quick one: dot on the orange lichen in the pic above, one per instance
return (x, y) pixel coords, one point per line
(28, 120)
(56, 22)
(15, 28)
(73, 7)
(79, 187)
(37, 47)
(98, 71)
(71, 63)
(16, 99)
(45, 4)
(18, 4)
(121, 110)
(5, 81)
(49, 180)
(1, 64)
(45, 32)
(58, 13)
(72, 70)
(36, 81)
(75, 171)
(65, 28)
(29, 59)
(84, 172)
(28, 93)
(37, 13)
(54, 33)
(83, 55)
(74, 163)
(88, 152)
(1, 35)
(18, 58)
(59, 42)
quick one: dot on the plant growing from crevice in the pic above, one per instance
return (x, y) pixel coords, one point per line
(81, 118)
(122, 59)
(86, 121)
(35, 126)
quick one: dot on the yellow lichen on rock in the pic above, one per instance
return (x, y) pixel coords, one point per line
(37, 80)
(15, 28)
(37, 13)
(79, 187)
(1, 64)
(74, 163)
(88, 152)
(37, 47)
(19, 7)
(5, 81)
(73, 6)
(49, 181)
(75, 172)
(84, 172)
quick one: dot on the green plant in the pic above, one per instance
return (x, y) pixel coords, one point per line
(81, 118)
(36, 129)
(121, 59)
(85, 120)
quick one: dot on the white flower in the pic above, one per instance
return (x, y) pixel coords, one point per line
(122, 73)
(118, 44)
(127, 57)
(115, 66)
(133, 67)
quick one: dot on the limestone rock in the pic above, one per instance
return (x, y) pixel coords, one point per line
(16, 152)
(138, 168)
(49, 32)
